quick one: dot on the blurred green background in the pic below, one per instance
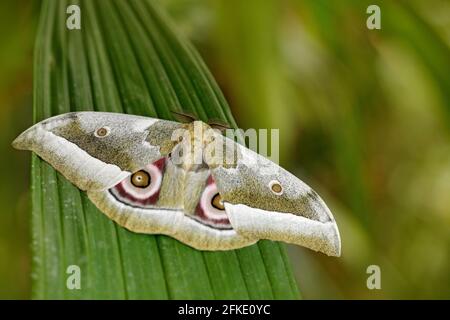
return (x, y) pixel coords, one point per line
(364, 118)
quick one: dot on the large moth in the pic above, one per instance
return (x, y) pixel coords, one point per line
(163, 177)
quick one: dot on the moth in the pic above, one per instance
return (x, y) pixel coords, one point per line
(183, 180)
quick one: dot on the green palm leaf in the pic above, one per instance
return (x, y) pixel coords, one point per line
(128, 58)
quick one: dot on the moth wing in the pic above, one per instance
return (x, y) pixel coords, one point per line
(69, 143)
(206, 227)
(177, 206)
(136, 207)
(292, 213)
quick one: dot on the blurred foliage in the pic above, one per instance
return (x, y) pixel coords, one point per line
(17, 22)
(364, 118)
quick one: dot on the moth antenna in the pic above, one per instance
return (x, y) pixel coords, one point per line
(219, 125)
(184, 117)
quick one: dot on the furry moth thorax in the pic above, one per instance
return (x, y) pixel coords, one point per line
(163, 177)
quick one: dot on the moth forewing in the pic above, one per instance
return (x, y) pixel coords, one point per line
(277, 226)
(84, 171)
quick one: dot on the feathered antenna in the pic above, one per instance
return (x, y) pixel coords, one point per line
(184, 117)
(219, 125)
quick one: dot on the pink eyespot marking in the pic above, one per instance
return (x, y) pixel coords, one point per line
(142, 188)
(210, 209)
